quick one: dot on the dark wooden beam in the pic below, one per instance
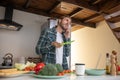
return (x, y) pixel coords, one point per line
(114, 9)
(109, 5)
(117, 29)
(56, 15)
(54, 6)
(81, 4)
(114, 19)
(33, 10)
(77, 21)
(96, 2)
(27, 3)
(75, 12)
(91, 17)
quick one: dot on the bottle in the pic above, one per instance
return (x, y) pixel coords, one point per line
(114, 71)
(107, 63)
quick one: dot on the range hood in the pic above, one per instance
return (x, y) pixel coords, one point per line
(7, 22)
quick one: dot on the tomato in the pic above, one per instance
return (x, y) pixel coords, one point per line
(38, 67)
(60, 74)
(29, 68)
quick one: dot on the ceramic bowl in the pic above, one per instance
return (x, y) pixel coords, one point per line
(95, 72)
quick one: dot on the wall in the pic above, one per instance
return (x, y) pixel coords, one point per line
(90, 43)
(23, 42)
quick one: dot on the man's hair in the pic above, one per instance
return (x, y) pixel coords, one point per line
(62, 17)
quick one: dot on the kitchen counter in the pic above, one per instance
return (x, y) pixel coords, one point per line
(68, 77)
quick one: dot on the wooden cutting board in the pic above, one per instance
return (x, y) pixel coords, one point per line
(8, 70)
(11, 72)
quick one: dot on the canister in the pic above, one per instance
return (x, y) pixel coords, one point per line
(80, 69)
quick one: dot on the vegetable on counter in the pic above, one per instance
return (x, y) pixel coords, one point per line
(64, 72)
(59, 67)
(42, 69)
(49, 70)
(29, 66)
(38, 67)
(20, 66)
(53, 70)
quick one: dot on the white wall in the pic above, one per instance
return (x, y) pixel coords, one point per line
(90, 43)
(23, 42)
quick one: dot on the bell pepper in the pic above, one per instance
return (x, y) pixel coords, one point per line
(38, 67)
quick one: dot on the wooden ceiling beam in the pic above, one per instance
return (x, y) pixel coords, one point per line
(56, 15)
(108, 16)
(114, 9)
(31, 10)
(81, 4)
(75, 12)
(77, 21)
(27, 3)
(108, 5)
(97, 1)
(91, 17)
(114, 19)
(54, 6)
(76, 27)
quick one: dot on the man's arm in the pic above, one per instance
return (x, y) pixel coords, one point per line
(44, 44)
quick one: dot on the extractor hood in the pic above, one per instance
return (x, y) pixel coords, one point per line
(7, 22)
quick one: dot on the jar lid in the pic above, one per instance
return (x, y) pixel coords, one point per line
(79, 64)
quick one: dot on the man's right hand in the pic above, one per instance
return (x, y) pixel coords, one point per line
(56, 44)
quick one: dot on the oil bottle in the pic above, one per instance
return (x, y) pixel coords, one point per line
(107, 63)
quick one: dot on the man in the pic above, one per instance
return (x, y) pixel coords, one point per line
(49, 44)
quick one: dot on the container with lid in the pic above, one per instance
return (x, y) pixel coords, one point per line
(80, 69)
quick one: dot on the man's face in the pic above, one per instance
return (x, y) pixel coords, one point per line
(65, 23)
